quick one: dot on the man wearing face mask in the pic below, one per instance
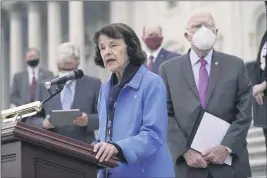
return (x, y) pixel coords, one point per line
(79, 94)
(156, 54)
(205, 79)
(23, 89)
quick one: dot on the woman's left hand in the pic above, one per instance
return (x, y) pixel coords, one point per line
(259, 88)
(104, 151)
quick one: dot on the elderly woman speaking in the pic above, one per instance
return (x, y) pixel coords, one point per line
(132, 108)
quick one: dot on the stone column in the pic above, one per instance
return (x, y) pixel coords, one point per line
(117, 8)
(16, 49)
(54, 33)
(2, 66)
(76, 28)
(34, 25)
(5, 87)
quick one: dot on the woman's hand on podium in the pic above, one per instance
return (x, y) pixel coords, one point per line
(104, 151)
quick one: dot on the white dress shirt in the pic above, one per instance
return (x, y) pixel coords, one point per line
(31, 71)
(195, 63)
(154, 54)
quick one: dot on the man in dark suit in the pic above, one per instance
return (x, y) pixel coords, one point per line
(77, 94)
(218, 83)
(156, 54)
(23, 89)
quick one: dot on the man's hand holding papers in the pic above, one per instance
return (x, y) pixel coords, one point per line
(195, 159)
(217, 154)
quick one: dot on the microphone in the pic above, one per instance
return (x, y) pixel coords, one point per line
(62, 80)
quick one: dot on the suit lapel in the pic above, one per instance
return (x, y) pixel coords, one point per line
(159, 59)
(40, 75)
(77, 94)
(27, 85)
(257, 71)
(188, 74)
(214, 73)
(57, 99)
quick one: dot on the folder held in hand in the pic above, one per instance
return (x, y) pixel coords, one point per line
(209, 132)
(64, 117)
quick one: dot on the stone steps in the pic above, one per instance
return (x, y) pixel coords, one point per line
(257, 152)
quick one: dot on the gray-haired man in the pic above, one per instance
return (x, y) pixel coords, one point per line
(77, 94)
(218, 83)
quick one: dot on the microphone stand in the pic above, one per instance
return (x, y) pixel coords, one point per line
(52, 94)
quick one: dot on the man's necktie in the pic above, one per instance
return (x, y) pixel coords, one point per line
(33, 87)
(203, 82)
(150, 63)
(67, 97)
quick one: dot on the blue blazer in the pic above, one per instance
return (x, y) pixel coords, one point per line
(139, 127)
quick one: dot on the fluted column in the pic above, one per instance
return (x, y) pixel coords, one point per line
(2, 79)
(54, 32)
(16, 49)
(122, 7)
(4, 71)
(76, 27)
(34, 25)
(1, 67)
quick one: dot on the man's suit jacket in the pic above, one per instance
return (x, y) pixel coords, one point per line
(20, 89)
(85, 99)
(229, 97)
(163, 56)
(259, 111)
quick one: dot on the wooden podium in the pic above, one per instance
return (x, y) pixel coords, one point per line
(31, 152)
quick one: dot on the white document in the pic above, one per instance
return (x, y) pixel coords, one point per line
(210, 133)
(64, 117)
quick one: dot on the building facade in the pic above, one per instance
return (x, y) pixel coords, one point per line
(47, 24)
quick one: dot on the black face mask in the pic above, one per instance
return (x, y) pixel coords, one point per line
(33, 63)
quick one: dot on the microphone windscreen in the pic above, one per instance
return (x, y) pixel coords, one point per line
(79, 73)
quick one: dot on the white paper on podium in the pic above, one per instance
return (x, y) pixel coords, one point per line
(210, 133)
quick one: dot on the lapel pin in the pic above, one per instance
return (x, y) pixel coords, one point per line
(216, 63)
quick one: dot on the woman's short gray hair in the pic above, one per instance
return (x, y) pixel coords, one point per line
(67, 52)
